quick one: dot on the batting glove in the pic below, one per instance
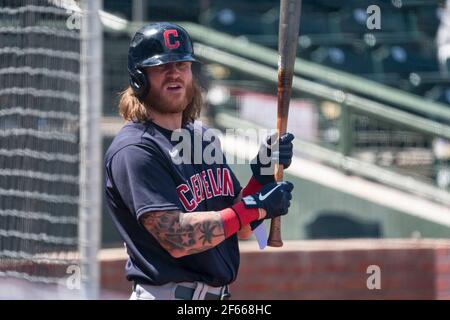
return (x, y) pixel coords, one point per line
(270, 153)
(275, 198)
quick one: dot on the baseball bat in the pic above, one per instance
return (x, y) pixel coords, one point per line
(287, 50)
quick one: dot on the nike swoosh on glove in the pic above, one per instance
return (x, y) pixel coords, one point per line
(275, 198)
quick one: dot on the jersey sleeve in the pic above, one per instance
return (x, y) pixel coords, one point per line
(143, 180)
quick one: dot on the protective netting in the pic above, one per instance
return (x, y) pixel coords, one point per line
(39, 141)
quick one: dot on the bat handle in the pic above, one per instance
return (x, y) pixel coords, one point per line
(275, 224)
(275, 233)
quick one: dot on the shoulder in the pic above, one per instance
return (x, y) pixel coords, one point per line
(130, 137)
(131, 133)
(135, 158)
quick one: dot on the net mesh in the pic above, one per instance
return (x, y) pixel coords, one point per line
(39, 141)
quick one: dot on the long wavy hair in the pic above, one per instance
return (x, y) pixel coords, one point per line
(133, 109)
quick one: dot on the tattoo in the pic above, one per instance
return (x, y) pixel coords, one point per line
(207, 229)
(185, 233)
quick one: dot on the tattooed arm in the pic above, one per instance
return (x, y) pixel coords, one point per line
(183, 234)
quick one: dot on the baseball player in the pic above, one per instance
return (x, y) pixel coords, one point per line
(180, 221)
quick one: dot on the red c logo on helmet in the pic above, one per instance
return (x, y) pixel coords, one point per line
(167, 42)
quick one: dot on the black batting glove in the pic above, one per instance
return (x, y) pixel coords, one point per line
(268, 154)
(275, 198)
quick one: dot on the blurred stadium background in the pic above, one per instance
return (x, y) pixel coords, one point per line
(370, 110)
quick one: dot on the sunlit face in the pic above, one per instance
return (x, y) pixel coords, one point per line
(170, 87)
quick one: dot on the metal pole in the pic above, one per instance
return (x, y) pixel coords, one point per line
(345, 130)
(90, 147)
(138, 11)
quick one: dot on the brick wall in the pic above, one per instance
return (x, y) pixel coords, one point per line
(409, 269)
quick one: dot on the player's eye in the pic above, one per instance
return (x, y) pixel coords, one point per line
(182, 65)
(159, 68)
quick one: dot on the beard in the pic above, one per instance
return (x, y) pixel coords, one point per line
(166, 103)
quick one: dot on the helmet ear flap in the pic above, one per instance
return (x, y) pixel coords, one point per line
(139, 83)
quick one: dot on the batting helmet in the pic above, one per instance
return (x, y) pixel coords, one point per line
(156, 44)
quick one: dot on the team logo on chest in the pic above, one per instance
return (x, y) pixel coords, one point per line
(205, 185)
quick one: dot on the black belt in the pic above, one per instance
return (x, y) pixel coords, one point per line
(186, 293)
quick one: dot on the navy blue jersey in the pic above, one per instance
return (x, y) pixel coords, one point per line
(141, 176)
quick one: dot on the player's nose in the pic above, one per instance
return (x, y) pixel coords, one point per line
(172, 69)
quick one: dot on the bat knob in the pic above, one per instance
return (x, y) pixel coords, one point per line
(274, 243)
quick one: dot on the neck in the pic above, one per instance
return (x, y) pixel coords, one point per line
(170, 121)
